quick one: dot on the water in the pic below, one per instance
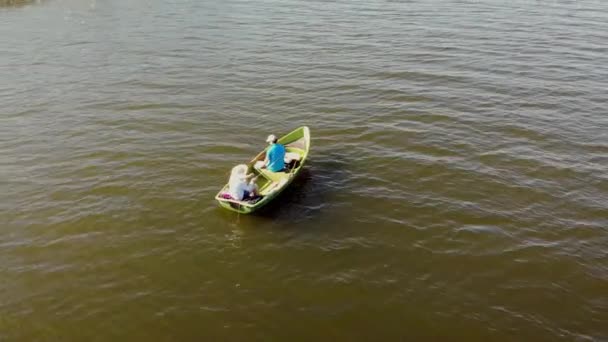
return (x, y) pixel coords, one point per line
(457, 185)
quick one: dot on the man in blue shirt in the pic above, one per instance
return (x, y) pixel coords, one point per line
(275, 155)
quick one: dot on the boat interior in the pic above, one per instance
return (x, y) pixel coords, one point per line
(268, 181)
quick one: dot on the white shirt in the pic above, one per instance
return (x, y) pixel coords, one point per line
(238, 186)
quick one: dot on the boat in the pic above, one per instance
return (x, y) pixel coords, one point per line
(271, 184)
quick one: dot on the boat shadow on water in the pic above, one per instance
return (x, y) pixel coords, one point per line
(292, 201)
(309, 194)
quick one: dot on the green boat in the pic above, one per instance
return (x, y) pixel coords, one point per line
(271, 184)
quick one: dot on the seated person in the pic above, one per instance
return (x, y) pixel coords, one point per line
(275, 155)
(239, 187)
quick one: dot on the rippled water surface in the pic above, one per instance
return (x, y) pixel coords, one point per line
(457, 187)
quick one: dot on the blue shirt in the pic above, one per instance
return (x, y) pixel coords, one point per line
(276, 157)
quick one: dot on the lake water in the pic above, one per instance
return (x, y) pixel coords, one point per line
(457, 187)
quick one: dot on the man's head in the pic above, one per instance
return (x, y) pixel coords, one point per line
(272, 139)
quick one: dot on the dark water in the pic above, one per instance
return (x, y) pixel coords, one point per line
(457, 187)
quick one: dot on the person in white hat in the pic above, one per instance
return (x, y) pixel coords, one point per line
(240, 186)
(275, 155)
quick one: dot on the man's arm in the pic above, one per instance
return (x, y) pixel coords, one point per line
(266, 160)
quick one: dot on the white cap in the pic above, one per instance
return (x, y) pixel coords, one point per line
(271, 138)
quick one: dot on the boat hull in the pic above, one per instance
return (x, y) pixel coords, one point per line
(272, 184)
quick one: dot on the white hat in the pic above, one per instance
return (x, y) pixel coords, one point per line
(271, 138)
(239, 170)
